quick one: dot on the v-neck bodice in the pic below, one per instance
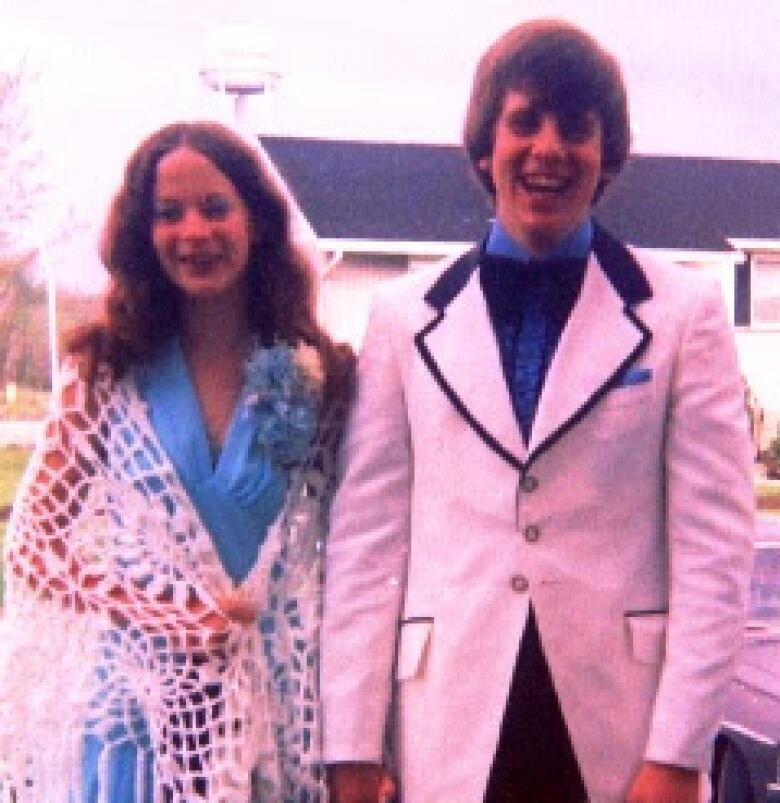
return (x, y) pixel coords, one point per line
(237, 497)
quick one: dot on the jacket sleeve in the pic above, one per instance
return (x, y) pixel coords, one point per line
(366, 552)
(709, 523)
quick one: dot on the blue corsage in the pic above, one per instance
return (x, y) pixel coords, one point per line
(283, 389)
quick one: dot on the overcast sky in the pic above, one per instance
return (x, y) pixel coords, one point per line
(703, 75)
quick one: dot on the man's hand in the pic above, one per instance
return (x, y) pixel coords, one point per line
(359, 783)
(663, 783)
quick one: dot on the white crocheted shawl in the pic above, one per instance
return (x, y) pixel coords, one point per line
(112, 620)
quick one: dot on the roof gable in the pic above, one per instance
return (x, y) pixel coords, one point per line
(427, 193)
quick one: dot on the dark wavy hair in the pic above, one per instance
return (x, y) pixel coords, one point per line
(567, 70)
(142, 307)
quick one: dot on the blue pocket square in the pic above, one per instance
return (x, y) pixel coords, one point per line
(635, 376)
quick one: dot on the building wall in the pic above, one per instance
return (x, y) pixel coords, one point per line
(345, 293)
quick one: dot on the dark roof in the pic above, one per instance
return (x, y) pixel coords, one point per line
(382, 191)
(689, 202)
(427, 193)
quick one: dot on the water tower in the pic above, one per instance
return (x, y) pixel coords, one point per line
(237, 62)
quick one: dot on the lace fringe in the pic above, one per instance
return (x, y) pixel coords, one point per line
(105, 557)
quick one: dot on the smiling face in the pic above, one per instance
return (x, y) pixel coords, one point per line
(201, 229)
(546, 167)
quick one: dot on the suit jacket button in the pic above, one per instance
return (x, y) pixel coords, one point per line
(532, 533)
(529, 483)
(519, 583)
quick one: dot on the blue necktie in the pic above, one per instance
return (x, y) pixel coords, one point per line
(530, 352)
(529, 304)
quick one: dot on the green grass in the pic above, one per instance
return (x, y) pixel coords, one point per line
(13, 460)
(29, 404)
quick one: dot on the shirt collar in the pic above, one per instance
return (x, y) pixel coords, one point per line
(573, 246)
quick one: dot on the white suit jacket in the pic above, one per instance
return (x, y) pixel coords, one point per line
(627, 521)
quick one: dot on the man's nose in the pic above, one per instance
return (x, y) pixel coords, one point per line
(548, 137)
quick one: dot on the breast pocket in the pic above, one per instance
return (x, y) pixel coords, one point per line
(623, 410)
(414, 640)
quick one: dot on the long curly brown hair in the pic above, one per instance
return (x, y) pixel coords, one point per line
(142, 307)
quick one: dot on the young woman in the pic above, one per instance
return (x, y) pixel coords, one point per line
(160, 634)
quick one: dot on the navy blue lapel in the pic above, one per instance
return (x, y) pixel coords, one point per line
(441, 294)
(453, 280)
(620, 267)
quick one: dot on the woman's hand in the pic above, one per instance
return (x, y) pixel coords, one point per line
(158, 613)
(238, 607)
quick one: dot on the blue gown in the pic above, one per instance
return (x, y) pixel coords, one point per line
(237, 493)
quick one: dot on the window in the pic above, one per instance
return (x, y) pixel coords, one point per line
(765, 291)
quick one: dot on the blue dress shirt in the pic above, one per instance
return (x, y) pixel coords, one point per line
(529, 301)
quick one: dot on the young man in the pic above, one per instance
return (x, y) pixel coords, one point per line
(539, 554)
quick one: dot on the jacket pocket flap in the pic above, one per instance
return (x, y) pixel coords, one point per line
(412, 647)
(648, 637)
